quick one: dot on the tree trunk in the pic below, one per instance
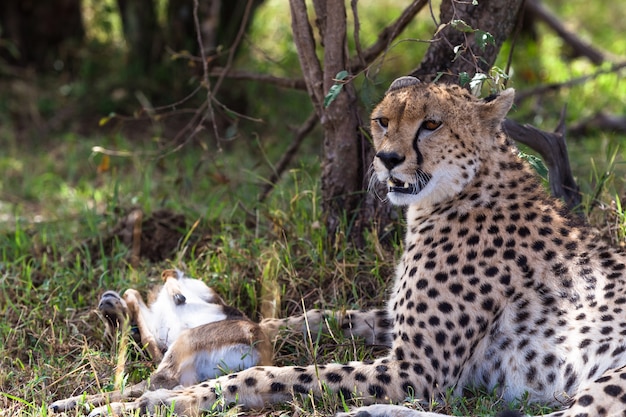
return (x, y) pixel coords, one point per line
(42, 34)
(141, 32)
(342, 165)
(341, 168)
(498, 17)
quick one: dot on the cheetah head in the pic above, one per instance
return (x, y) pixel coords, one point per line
(431, 139)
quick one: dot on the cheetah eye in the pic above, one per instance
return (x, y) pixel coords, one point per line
(431, 124)
(382, 122)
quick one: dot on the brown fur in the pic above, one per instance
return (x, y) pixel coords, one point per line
(177, 358)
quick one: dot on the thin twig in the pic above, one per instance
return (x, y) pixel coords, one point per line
(205, 77)
(292, 83)
(357, 30)
(385, 37)
(305, 44)
(516, 32)
(284, 162)
(432, 14)
(205, 63)
(235, 45)
(579, 46)
(206, 110)
(178, 103)
(546, 88)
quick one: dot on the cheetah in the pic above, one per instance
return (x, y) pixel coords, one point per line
(498, 285)
(187, 328)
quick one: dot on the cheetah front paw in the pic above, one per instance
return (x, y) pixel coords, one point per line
(114, 409)
(68, 404)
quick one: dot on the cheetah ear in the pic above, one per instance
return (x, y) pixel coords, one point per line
(402, 82)
(495, 107)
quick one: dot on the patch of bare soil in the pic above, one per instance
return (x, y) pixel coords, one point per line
(153, 237)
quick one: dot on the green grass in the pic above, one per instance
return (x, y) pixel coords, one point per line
(51, 273)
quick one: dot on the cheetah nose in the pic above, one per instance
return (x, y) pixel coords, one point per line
(390, 159)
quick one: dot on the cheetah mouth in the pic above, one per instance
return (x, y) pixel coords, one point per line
(394, 185)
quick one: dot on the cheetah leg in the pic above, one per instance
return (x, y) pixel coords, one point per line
(115, 409)
(383, 380)
(603, 396)
(140, 314)
(170, 283)
(373, 325)
(118, 311)
(72, 403)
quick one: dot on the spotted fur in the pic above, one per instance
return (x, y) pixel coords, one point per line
(498, 286)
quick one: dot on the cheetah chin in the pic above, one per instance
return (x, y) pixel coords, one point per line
(396, 185)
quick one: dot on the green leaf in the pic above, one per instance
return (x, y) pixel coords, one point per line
(333, 92)
(335, 89)
(477, 82)
(484, 38)
(461, 26)
(458, 50)
(536, 163)
(464, 78)
(341, 75)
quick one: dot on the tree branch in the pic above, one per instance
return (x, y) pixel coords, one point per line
(580, 47)
(235, 45)
(284, 162)
(553, 150)
(600, 121)
(385, 37)
(542, 89)
(357, 32)
(356, 63)
(292, 83)
(305, 44)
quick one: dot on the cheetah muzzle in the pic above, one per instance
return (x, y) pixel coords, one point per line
(394, 185)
